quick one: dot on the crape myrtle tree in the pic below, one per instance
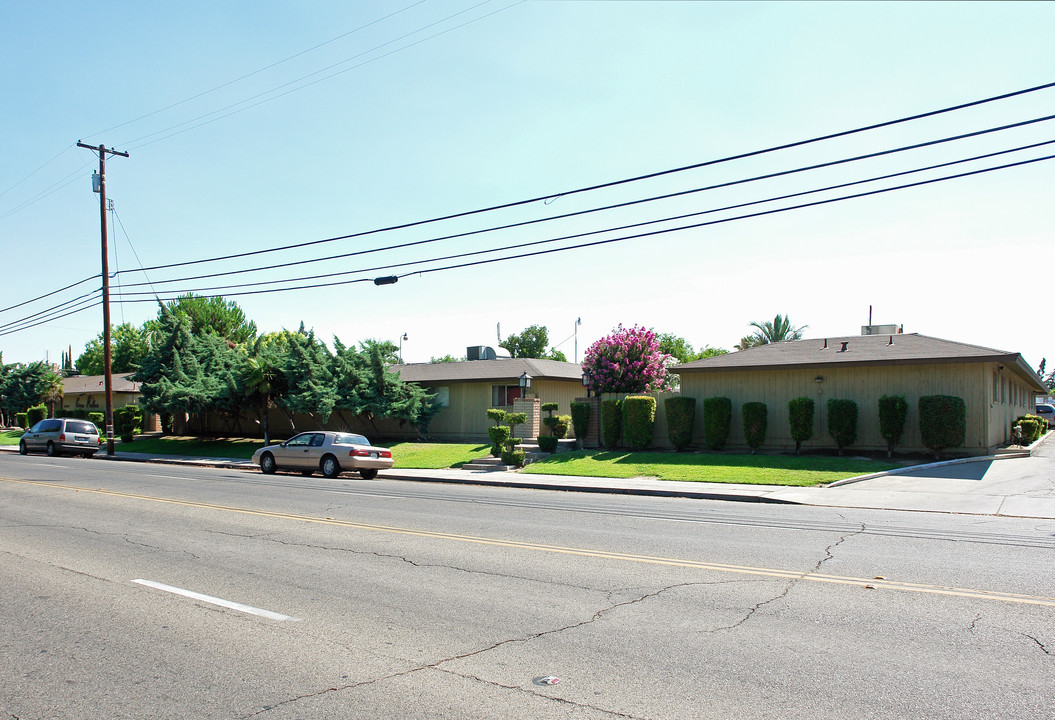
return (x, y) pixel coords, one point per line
(627, 361)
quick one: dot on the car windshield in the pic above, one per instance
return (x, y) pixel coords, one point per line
(349, 439)
(80, 426)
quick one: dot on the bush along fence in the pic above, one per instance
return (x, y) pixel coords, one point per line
(681, 416)
(639, 420)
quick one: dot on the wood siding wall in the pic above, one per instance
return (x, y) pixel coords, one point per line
(988, 422)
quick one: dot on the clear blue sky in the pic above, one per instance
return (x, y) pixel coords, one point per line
(450, 106)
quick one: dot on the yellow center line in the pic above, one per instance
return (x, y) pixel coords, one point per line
(876, 583)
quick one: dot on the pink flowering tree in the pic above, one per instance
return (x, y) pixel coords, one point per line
(627, 361)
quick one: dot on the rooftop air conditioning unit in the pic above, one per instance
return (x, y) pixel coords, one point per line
(480, 352)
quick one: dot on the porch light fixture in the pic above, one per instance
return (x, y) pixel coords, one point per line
(525, 380)
(587, 377)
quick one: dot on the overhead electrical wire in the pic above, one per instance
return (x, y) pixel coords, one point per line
(233, 111)
(628, 237)
(615, 183)
(635, 179)
(254, 72)
(552, 218)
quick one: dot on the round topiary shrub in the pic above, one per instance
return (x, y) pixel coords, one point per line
(499, 434)
(514, 457)
(547, 443)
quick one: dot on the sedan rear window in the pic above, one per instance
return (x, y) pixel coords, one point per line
(80, 427)
(349, 439)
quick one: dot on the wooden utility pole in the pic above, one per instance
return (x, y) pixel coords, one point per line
(108, 374)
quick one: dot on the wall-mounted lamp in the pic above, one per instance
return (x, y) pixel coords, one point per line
(1000, 368)
(818, 379)
(587, 378)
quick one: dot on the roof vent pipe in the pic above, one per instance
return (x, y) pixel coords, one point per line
(843, 348)
(891, 340)
(825, 344)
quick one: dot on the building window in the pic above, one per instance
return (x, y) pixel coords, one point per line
(504, 395)
(996, 387)
(442, 396)
(1003, 390)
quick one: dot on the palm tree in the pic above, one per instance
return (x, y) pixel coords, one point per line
(779, 330)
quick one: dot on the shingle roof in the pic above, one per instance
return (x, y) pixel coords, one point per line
(900, 349)
(501, 369)
(79, 384)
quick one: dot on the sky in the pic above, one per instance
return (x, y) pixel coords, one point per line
(251, 127)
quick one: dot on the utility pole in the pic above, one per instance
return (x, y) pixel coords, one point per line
(109, 382)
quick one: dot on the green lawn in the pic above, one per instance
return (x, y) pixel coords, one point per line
(10, 437)
(698, 467)
(434, 456)
(239, 448)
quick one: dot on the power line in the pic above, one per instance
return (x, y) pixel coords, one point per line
(623, 238)
(523, 223)
(254, 72)
(614, 183)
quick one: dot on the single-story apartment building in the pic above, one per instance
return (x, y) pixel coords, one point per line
(997, 386)
(88, 392)
(466, 390)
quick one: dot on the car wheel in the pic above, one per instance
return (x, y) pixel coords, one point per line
(52, 451)
(307, 473)
(267, 464)
(368, 474)
(330, 467)
(22, 449)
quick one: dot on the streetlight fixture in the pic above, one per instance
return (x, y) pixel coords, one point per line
(401, 347)
(578, 322)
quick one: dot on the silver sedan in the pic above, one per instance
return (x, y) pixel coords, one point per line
(329, 452)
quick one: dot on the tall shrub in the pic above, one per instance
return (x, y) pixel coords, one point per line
(755, 421)
(842, 422)
(611, 421)
(942, 422)
(35, 414)
(128, 422)
(1031, 427)
(639, 420)
(499, 434)
(681, 415)
(800, 418)
(717, 417)
(892, 412)
(580, 420)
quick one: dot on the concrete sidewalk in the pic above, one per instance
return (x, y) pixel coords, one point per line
(1020, 485)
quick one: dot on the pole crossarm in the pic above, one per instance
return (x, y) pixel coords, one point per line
(101, 149)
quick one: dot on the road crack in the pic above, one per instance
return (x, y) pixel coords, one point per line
(828, 555)
(1041, 645)
(435, 665)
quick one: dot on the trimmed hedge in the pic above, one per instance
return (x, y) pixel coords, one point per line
(639, 420)
(755, 422)
(681, 415)
(548, 443)
(580, 419)
(842, 422)
(20, 420)
(35, 414)
(497, 415)
(514, 457)
(550, 407)
(717, 417)
(800, 417)
(942, 422)
(1032, 428)
(611, 421)
(100, 421)
(892, 412)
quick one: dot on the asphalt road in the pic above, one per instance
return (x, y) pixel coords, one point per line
(356, 599)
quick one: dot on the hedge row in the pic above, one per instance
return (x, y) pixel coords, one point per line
(942, 418)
